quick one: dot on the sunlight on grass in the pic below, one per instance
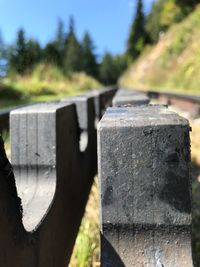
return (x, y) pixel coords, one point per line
(171, 64)
(86, 250)
(45, 83)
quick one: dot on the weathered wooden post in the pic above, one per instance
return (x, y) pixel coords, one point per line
(53, 177)
(144, 155)
(45, 154)
(129, 97)
(102, 99)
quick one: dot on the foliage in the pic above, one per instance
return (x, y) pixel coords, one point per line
(24, 54)
(8, 92)
(72, 52)
(86, 250)
(89, 63)
(60, 37)
(187, 3)
(44, 82)
(164, 13)
(138, 36)
(174, 62)
(66, 52)
(111, 68)
(33, 53)
(18, 55)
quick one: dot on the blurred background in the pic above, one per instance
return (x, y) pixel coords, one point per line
(53, 49)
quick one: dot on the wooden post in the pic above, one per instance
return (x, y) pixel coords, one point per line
(53, 177)
(145, 188)
(126, 97)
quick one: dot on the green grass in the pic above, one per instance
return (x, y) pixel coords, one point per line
(45, 83)
(173, 63)
(86, 250)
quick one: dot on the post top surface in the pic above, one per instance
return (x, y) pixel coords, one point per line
(131, 97)
(139, 116)
(50, 107)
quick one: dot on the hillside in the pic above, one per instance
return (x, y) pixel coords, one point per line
(173, 63)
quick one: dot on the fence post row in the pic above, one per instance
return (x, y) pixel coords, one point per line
(53, 178)
(129, 97)
(145, 187)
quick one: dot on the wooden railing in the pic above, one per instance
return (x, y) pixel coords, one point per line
(145, 187)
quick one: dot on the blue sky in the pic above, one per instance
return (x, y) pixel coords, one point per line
(107, 21)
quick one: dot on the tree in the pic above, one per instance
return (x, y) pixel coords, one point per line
(51, 54)
(58, 46)
(71, 31)
(111, 68)
(72, 53)
(138, 36)
(18, 54)
(187, 3)
(60, 36)
(153, 21)
(33, 54)
(89, 64)
(163, 14)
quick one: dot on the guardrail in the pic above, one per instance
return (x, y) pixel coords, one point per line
(53, 154)
(188, 103)
(145, 187)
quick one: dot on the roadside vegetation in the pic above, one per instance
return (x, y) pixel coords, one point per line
(44, 83)
(171, 62)
(162, 53)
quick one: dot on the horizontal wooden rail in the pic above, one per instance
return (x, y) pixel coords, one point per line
(102, 100)
(186, 97)
(145, 186)
(185, 102)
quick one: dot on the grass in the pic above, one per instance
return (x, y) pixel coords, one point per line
(86, 250)
(173, 63)
(45, 83)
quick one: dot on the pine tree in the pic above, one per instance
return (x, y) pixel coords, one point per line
(33, 54)
(89, 64)
(60, 36)
(187, 3)
(72, 54)
(59, 45)
(137, 36)
(107, 70)
(51, 54)
(111, 68)
(18, 55)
